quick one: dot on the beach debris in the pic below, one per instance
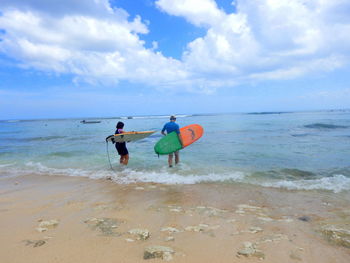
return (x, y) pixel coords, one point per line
(265, 218)
(176, 209)
(129, 240)
(162, 252)
(106, 226)
(49, 223)
(214, 227)
(295, 255)
(337, 234)
(272, 238)
(209, 211)
(252, 230)
(35, 243)
(169, 238)
(231, 220)
(41, 229)
(242, 209)
(139, 188)
(45, 225)
(305, 218)
(250, 249)
(255, 229)
(288, 219)
(141, 234)
(101, 207)
(170, 229)
(198, 228)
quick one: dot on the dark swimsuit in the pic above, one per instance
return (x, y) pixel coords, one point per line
(121, 146)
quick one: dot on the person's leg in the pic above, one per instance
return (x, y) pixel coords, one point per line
(126, 159)
(177, 157)
(121, 160)
(170, 160)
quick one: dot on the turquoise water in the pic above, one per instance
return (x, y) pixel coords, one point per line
(302, 150)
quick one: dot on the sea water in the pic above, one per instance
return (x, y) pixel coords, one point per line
(293, 150)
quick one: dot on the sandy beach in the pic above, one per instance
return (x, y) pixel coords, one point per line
(70, 219)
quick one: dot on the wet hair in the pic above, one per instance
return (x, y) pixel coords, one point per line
(120, 125)
(172, 117)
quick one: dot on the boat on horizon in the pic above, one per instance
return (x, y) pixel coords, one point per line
(89, 122)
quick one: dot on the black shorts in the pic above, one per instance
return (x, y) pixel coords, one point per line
(121, 148)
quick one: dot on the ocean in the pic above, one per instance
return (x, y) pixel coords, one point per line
(289, 150)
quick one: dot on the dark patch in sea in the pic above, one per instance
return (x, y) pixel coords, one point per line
(46, 138)
(269, 112)
(62, 154)
(324, 126)
(296, 173)
(300, 135)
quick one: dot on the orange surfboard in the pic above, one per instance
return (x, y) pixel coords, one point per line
(190, 134)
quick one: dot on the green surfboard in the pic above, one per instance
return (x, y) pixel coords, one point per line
(169, 144)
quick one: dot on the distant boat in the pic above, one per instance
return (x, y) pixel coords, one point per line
(89, 122)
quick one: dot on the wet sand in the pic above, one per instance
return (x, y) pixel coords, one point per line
(70, 219)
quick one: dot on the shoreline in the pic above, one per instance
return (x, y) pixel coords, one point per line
(75, 219)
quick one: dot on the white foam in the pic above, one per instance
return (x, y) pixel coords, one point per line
(128, 175)
(6, 165)
(179, 175)
(167, 177)
(336, 183)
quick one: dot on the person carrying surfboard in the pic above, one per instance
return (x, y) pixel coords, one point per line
(121, 146)
(170, 127)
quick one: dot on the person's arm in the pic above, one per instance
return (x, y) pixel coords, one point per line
(179, 136)
(163, 130)
(180, 139)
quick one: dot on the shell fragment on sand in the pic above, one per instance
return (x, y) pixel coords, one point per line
(162, 252)
(249, 249)
(141, 234)
(337, 234)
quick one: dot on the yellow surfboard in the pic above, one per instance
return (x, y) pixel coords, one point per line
(129, 136)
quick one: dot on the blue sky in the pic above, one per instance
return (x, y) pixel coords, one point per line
(75, 58)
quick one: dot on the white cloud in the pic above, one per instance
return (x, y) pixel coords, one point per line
(270, 39)
(262, 40)
(198, 12)
(93, 48)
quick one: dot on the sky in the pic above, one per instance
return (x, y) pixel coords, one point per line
(100, 58)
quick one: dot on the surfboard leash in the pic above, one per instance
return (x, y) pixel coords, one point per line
(109, 159)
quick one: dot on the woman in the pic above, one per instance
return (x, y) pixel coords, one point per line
(121, 146)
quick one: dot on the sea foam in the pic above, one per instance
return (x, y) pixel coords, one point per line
(182, 175)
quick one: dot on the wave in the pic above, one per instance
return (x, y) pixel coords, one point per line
(154, 116)
(324, 126)
(269, 112)
(184, 175)
(41, 138)
(336, 183)
(63, 154)
(11, 121)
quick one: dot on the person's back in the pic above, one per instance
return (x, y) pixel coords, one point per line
(121, 146)
(170, 127)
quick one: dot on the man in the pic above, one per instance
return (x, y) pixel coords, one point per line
(170, 127)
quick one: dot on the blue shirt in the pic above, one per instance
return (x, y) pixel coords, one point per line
(170, 127)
